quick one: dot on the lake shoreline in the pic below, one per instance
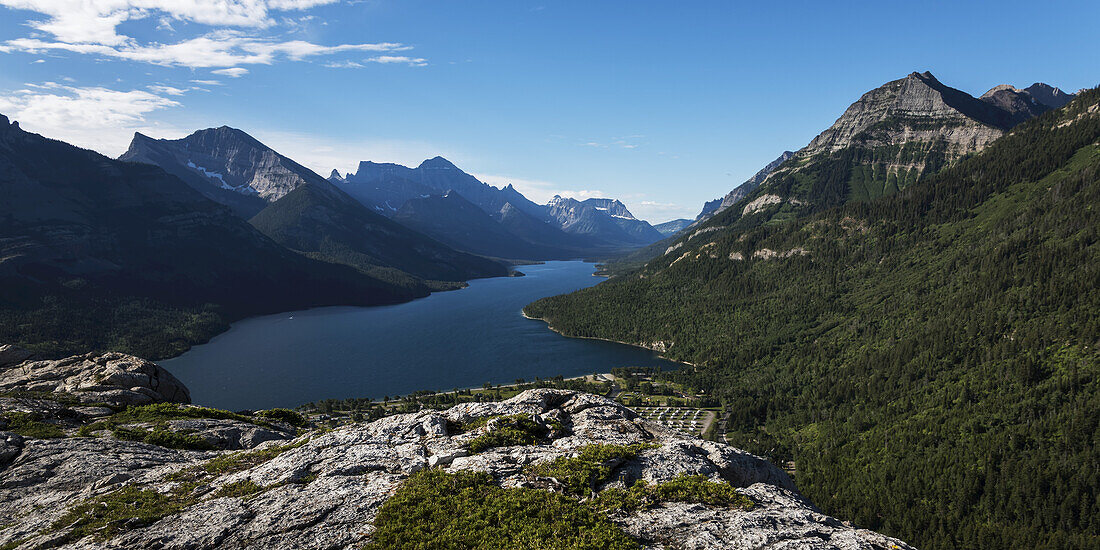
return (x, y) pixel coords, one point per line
(659, 354)
(447, 340)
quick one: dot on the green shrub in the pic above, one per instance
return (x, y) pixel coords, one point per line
(108, 515)
(158, 415)
(285, 415)
(163, 438)
(239, 489)
(30, 425)
(236, 462)
(435, 509)
(593, 466)
(520, 429)
(682, 488)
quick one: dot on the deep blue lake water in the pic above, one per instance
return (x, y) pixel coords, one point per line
(457, 339)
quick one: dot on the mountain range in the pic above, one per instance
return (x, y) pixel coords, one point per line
(305, 212)
(563, 228)
(890, 138)
(186, 235)
(96, 252)
(913, 290)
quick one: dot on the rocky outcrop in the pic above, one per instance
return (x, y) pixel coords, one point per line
(324, 489)
(224, 158)
(607, 220)
(112, 378)
(741, 191)
(890, 138)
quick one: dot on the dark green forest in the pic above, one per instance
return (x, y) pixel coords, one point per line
(930, 364)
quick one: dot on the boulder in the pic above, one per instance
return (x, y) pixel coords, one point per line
(112, 378)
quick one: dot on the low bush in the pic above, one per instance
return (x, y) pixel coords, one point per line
(435, 509)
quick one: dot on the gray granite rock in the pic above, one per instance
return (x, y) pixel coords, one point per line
(323, 489)
(113, 378)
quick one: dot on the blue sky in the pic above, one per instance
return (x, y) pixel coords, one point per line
(661, 104)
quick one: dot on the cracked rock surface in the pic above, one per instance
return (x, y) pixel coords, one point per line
(323, 489)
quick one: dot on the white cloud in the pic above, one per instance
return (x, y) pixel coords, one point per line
(97, 21)
(217, 49)
(166, 90)
(345, 65)
(91, 27)
(208, 82)
(92, 117)
(39, 61)
(234, 72)
(411, 61)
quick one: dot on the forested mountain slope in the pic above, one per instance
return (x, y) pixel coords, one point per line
(97, 253)
(927, 360)
(299, 209)
(891, 137)
(326, 223)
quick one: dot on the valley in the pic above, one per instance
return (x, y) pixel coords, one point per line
(347, 275)
(459, 339)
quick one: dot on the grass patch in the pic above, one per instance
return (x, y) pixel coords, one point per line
(108, 515)
(12, 545)
(164, 438)
(455, 428)
(682, 488)
(236, 462)
(520, 429)
(159, 414)
(435, 509)
(580, 475)
(30, 425)
(239, 489)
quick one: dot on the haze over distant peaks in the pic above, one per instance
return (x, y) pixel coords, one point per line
(548, 229)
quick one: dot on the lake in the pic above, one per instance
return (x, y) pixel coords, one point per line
(457, 339)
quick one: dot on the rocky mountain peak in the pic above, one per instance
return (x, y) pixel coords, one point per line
(7, 125)
(437, 163)
(227, 159)
(915, 107)
(1048, 95)
(1000, 88)
(613, 207)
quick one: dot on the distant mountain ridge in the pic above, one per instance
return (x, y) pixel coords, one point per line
(305, 212)
(96, 252)
(551, 230)
(891, 137)
(717, 205)
(227, 160)
(672, 227)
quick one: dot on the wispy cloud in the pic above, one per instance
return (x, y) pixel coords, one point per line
(92, 27)
(405, 60)
(97, 21)
(166, 90)
(344, 65)
(625, 142)
(92, 117)
(233, 72)
(217, 49)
